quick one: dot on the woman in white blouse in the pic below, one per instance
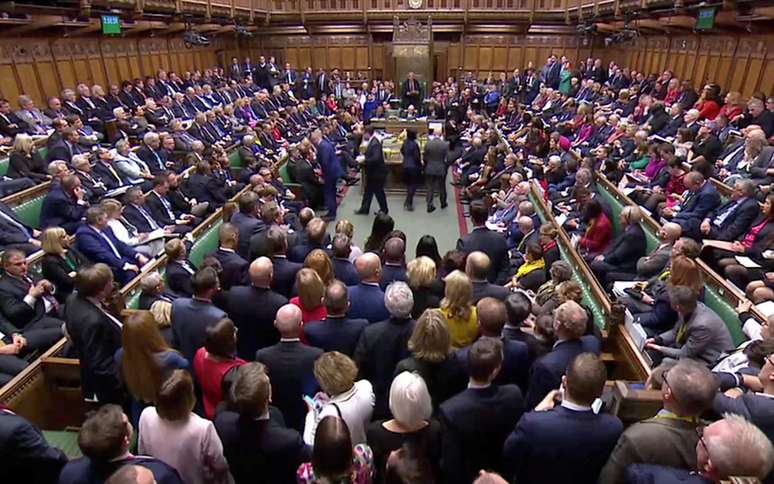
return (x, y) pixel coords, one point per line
(127, 233)
(172, 433)
(343, 397)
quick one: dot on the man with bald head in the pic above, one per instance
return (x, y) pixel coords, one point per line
(394, 260)
(291, 366)
(702, 198)
(253, 308)
(367, 298)
(336, 332)
(655, 262)
(477, 267)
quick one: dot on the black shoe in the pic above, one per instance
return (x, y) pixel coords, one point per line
(444, 205)
(431, 209)
(410, 208)
(361, 212)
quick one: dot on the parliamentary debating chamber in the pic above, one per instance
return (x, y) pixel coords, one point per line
(386, 241)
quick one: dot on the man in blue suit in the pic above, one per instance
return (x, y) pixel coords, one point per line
(336, 332)
(192, 316)
(702, 199)
(343, 269)
(26, 450)
(247, 221)
(326, 157)
(566, 443)
(570, 321)
(367, 298)
(97, 242)
(65, 205)
(475, 422)
(733, 219)
(729, 447)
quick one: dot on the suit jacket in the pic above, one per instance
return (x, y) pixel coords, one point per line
(27, 452)
(86, 471)
(474, 425)
(291, 366)
(436, 150)
(12, 305)
(11, 125)
(580, 440)
(12, 233)
(656, 474)
(107, 176)
(655, 262)
(206, 188)
(380, 347)
(190, 319)
(367, 302)
(706, 336)
(61, 210)
(152, 158)
(482, 289)
(96, 337)
(32, 167)
(91, 244)
(179, 278)
(163, 214)
(298, 252)
(546, 372)
(248, 225)
(345, 271)
(234, 268)
(624, 251)
(253, 310)
(133, 215)
(57, 270)
(492, 244)
(698, 205)
(335, 333)
(326, 158)
(754, 407)
(376, 170)
(515, 366)
(657, 440)
(261, 451)
(736, 223)
(392, 273)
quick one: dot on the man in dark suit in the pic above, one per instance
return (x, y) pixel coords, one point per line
(95, 333)
(702, 198)
(412, 92)
(622, 253)
(161, 209)
(729, 447)
(64, 205)
(136, 214)
(492, 316)
(343, 269)
(149, 152)
(66, 147)
(654, 263)
(669, 438)
(10, 123)
(475, 423)
(97, 242)
(331, 168)
(191, 317)
(382, 345)
(367, 298)
(29, 306)
(253, 308)
(284, 270)
(375, 173)
(434, 161)
(179, 270)
(247, 221)
(336, 332)
(734, 218)
(484, 240)
(315, 236)
(291, 366)
(104, 439)
(531, 86)
(27, 451)
(570, 320)
(234, 266)
(569, 442)
(477, 266)
(394, 260)
(271, 216)
(15, 234)
(256, 442)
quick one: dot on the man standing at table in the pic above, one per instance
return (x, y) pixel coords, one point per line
(375, 173)
(326, 157)
(412, 92)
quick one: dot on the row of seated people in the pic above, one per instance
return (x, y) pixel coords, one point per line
(471, 383)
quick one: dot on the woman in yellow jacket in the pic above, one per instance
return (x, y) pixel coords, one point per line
(457, 306)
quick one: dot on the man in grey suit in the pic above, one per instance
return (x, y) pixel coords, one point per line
(670, 437)
(654, 263)
(192, 316)
(38, 122)
(699, 334)
(436, 150)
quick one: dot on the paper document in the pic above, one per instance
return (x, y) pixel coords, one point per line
(766, 307)
(746, 262)
(718, 244)
(561, 219)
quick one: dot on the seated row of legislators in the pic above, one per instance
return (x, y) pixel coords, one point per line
(291, 354)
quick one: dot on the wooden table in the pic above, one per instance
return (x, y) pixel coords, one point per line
(396, 125)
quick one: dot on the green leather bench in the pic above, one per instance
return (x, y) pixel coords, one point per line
(4, 166)
(29, 211)
(617, 206)
(234, 160)
(66, 440)
(204, 245)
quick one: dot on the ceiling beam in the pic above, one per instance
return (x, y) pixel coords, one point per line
(34, 24)
(94, 25)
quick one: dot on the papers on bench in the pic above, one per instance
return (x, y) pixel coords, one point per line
(495, 227)
(718, 244)
(746, 262)
(638, 334)
(561, 219)
(766, 307)
(117, 192)
(157, 234)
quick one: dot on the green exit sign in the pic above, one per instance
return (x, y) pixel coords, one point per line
(111, 24)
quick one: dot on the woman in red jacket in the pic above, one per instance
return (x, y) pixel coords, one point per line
(708, 104)
(733, 106)
(599, 231)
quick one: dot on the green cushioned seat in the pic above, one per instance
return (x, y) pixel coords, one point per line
(29, 211)
(133, 302)
(65, 440)
(206, 244)
(284, 173)
(43, 152)
(615, 205)
(4, 166)
(234, 160)
(716, 301)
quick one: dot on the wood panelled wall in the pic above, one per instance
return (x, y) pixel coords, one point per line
(42, 67)
(737, 63)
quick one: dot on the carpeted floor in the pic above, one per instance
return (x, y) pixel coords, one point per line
(445, 225)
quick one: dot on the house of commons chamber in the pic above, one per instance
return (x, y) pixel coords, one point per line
(386, 241)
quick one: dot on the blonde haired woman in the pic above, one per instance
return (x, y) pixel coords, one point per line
(322, 265)
(60, 262)
(25, 161)
(424, 284)
(311, 292)
(347, 228)
(341, 396)
(431, 356)
(457, 306)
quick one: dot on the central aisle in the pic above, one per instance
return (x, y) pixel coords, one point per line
(444, 225)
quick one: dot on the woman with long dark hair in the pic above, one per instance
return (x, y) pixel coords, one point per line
(428, 247)
(383, 225)
(334, 460)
